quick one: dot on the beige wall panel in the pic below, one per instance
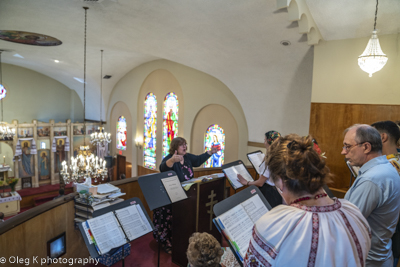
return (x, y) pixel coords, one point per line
(337, 78)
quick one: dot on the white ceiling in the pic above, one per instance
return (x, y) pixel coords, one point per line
(345, 19)
(236, 41)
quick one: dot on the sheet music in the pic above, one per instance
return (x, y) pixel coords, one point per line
(106, 188)
(174, 188)
(255, 208)
(256, 159)
(231, 173)
(238, 226)
(133, 221)
(106, 232)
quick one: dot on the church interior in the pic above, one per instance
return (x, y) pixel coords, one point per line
(229, 70)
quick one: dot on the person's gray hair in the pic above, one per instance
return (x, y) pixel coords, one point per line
(366, 133)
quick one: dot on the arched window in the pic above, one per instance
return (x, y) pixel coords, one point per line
(215, 137)
(3, 92)
(150, 127)
(170, 120)
(121, 133)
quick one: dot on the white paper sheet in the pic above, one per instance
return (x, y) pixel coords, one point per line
(257, 159)
(174, 188)
(133, 221)
(255, 208)
(107, 232)
(238, 226)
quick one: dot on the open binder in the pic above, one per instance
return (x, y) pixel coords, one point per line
(236, 216)
(161, 189)
(231, 170)
(114, 226)
(256, 158)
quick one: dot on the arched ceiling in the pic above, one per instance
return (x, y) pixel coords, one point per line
(238, 42)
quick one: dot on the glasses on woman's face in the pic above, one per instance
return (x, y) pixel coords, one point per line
(183, 145)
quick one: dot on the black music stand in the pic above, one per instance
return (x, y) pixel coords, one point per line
(231, 164)
(132, 201)
(233, 201)
(155, 194)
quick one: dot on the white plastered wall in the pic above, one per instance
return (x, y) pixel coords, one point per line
(34, 96)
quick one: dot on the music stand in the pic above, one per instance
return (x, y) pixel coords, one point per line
(155, 194)
(132, 201)
(233, 201)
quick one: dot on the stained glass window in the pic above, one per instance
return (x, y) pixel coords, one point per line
(121, 133)
(3, 92)
(170, 120)
(215, 137)
(150, 125)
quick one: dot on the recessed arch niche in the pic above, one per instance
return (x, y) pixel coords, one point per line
(159, 82)
(215, 114)
(121, 109)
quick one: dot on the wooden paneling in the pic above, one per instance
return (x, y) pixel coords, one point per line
(29, 239)
(327, 123)
(27, 201)
(256, 144)
(143, 171)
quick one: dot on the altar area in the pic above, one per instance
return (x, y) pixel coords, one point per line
(10, 203)
(37, 150)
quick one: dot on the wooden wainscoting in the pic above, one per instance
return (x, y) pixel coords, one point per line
(327, 123)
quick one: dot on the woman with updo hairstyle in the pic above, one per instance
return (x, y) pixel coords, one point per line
(313, 229)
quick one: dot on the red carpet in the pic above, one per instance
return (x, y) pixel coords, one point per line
(144, 252)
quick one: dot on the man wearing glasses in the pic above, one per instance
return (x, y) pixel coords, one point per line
(376, 191)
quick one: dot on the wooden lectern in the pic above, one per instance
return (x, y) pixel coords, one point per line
(195, 214)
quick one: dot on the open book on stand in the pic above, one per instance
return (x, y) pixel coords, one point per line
(236, 222)
(231, 171)
(257, 158)
(115, 228)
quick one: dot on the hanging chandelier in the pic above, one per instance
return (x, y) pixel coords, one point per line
(100, 138)
(85, 164)
(373, 59)
(5, 132)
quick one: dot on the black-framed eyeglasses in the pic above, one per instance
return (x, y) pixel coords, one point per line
(347, 148)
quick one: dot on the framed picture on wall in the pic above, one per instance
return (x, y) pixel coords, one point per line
(91, 129)
(79, 130)
(25, 132)
(26, 167)
(60, 131)
(43, 131)
(44, 164)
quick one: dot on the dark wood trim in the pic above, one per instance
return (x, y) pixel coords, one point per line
(256, 144)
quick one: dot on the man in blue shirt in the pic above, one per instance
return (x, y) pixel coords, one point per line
(376, 191)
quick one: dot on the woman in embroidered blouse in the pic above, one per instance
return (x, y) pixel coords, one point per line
(182, 163)
(313, 229)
